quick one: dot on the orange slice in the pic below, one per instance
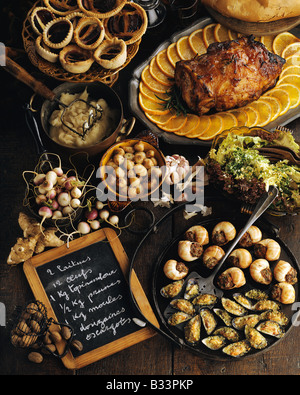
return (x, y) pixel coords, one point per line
(293, 60)
(158, 75)
(282, 40)
(174, 124)
(290, 70)
(184, 49)
(190, 125)
(208, 34)
(164, 64)
(155, 96)
(294, 94)
(215, 127)
(264, 110)
(268, 41)
(151, 106)
(291, 49)
(160, 119)
(172, 54)
(196, 42)
(151, 83)
(289, 79)
(202, 127)
(229, 120)
(252, 116)
(221, 33)
(232, 34)
(275, 105)
(241, 116)
(283, 96)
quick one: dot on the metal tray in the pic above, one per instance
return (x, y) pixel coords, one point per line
(162, 307)
(172, 138)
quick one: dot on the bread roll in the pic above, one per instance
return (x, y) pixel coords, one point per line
(256, 10)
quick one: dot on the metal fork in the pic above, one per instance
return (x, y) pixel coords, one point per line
(279, 154)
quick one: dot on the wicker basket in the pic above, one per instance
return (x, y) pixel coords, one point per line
(55, 70)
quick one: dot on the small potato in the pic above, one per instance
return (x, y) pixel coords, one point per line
(129, 149)
(118, 159)
(140, 170)
(150, 153)
(111, 180)
(112, 164)
(154, 172)
(129, 164)
(134, 182)
(140, 146)
(154, 160)
(119, 151)
(148, 163)
(139, 157)
(120, 173)
(134, 192)
(121, 182)
(129, 156)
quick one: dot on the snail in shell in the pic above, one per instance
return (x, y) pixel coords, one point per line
(284, 272)
(175, 270)
(267, 249)
(223, 232)
(260, 271)
(241, 258)
(189, 250)
(231, 278)
(212, 256)
(283, 292)
(252, 236)
(197, 233)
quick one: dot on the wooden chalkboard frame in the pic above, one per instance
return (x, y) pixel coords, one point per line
(30, 270)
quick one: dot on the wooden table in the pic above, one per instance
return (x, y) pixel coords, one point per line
(155, 356)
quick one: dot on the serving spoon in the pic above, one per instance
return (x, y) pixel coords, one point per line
(207, 284)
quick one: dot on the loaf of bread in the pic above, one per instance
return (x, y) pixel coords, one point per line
(256, 10)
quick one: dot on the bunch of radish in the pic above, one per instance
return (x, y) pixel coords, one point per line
(57, 193)
(94, 217)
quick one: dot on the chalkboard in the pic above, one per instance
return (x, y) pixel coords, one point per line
(84, 285)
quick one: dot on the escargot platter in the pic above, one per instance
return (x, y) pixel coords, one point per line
(255, 307)
(78, 44)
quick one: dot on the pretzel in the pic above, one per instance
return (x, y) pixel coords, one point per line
(128, 25)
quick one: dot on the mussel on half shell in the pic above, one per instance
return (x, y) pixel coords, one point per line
(237, 349)
(214, 342)
(233, 307)
(271, 328)
(208, 320)
(256, 339)
(183, 305)
(229, 333)
(178, 318)
(173, 289)
(192, 330)
(250, 320)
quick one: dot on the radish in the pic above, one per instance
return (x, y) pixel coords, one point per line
(53, 205)
(95, 224)
(76, 193)
(64, 199)
(39, 179)
(57, 214)
(51, 194)
(67, 210)
(75, 203)
(104, 214)
(58, 170)
(114, 220)
(51, 176)
(47, 185)
(99, 205)
(69, 182)
(91, 215)
(83, 228)
(45, 212)
(40, 199)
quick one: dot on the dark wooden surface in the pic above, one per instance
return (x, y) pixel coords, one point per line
(156, 356)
